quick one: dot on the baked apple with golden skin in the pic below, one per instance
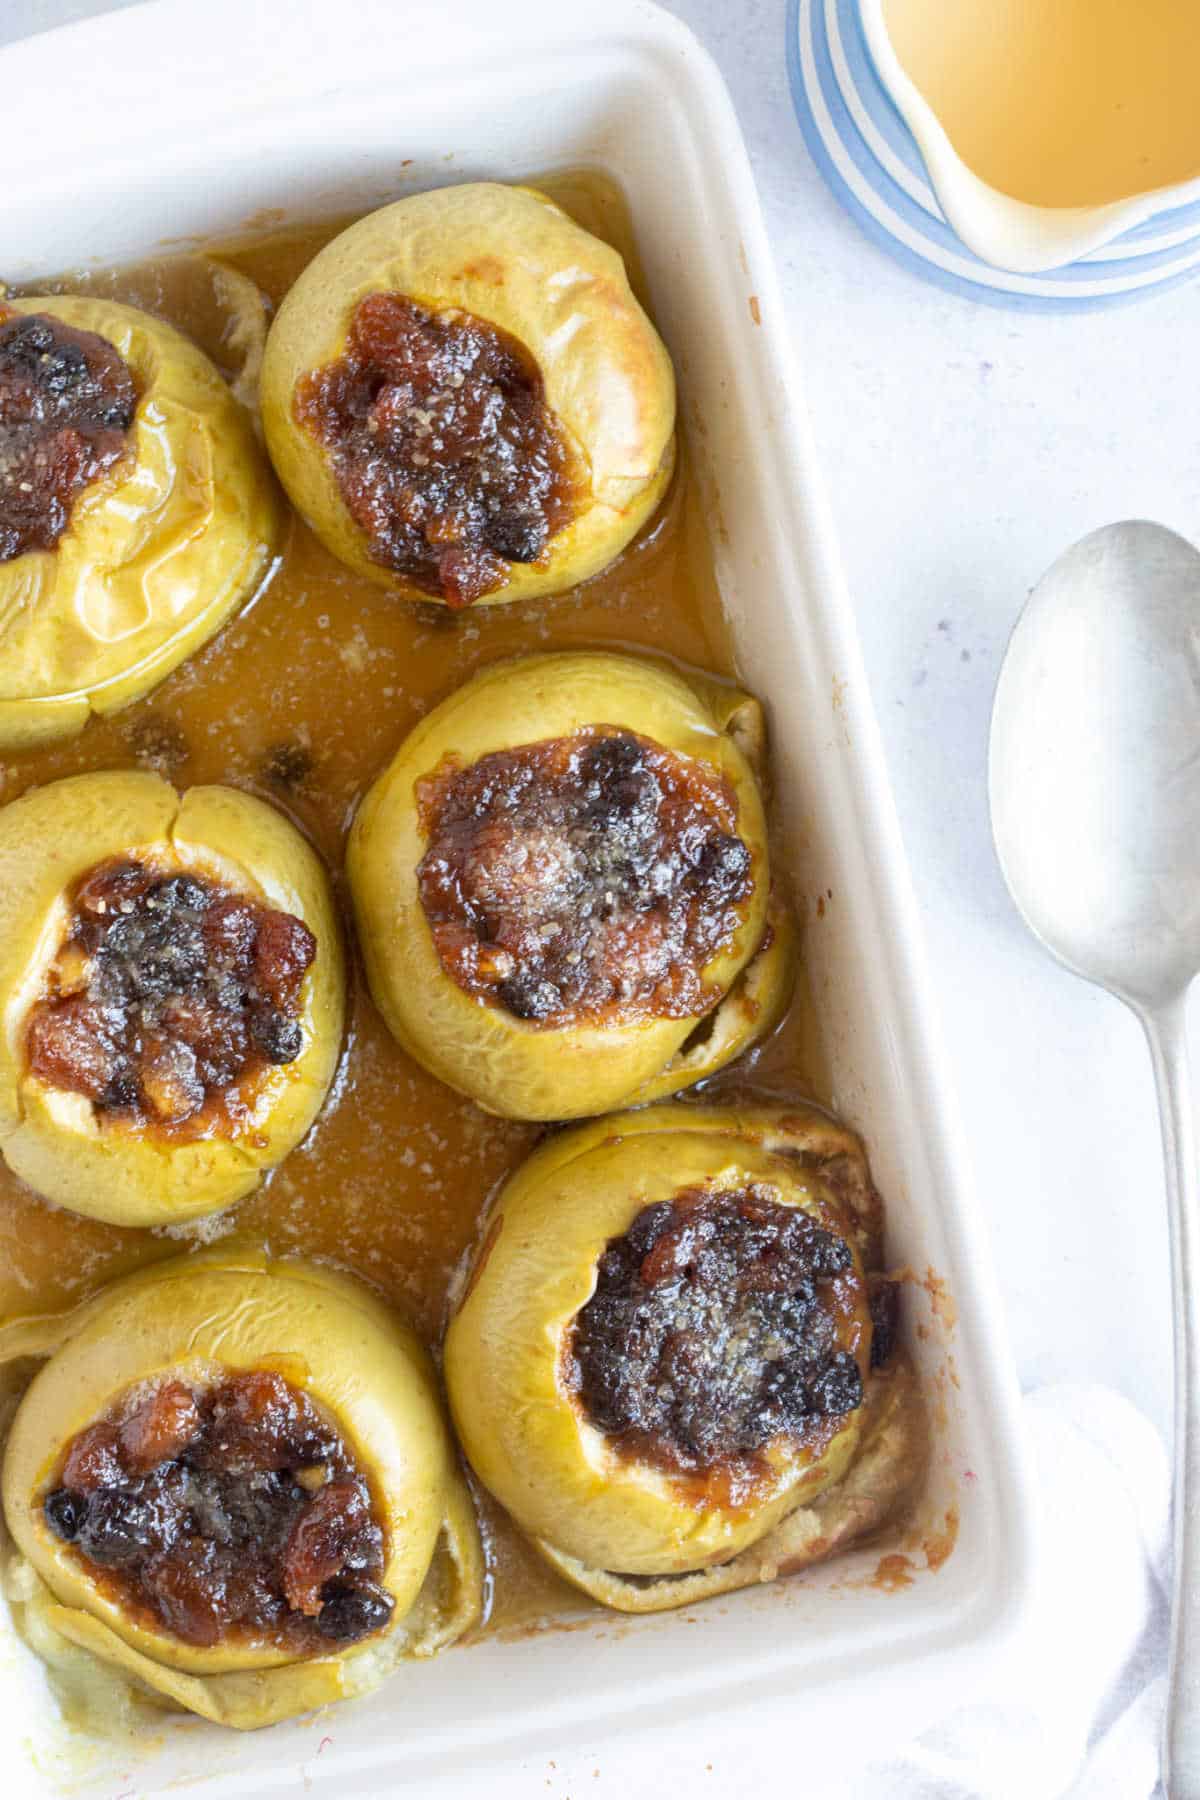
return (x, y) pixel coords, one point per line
(562, 888)
(171, 994)
(466, 402)
(231, 1485)
(670, 1362)
(137, 510)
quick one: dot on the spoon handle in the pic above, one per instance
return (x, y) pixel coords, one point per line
(1166, 1032)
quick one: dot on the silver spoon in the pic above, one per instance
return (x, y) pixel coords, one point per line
(1094, 778)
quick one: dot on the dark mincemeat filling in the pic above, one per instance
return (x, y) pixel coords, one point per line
(169, 995)
(442, 444)
(582, 878)
(718, 1322)
(67, 402)
(232, 1511)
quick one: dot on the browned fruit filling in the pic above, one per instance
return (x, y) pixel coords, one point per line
(442, 445)
(590, 877)
(168, 997)
(67, 401)
(720, 1320)
(233, 1511)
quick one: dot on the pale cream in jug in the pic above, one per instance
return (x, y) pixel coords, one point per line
(1060, 102)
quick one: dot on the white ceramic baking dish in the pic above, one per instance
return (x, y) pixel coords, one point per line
(185, 120)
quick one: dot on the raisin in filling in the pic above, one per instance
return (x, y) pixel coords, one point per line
(235, 1511)
(442, 445)
(587, 877)
(67, 402)
(169, 996)
(719, 1321)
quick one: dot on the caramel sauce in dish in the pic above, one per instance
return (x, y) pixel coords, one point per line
(302, 699)
(1060, 103)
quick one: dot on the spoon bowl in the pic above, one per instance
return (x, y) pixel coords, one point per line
(1095, 761)
(1094, 782)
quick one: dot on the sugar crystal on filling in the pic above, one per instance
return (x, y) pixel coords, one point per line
(717, 1323)
(588, 877)
(67, 402)
(442, 444)
(168, 994)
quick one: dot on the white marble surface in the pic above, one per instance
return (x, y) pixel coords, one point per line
(964, 447)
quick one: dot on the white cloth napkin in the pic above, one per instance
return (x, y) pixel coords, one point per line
(1078, 1715)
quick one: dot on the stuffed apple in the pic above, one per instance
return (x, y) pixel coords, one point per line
(672, 1361)
(231, 1485)
(171, 994)
(466, 402)
(562, 886)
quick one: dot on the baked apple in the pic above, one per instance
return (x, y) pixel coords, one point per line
(137, 510)
(562, 888)
(171, 994)
(464, 399)
(231, 1484)
(670, 1361)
